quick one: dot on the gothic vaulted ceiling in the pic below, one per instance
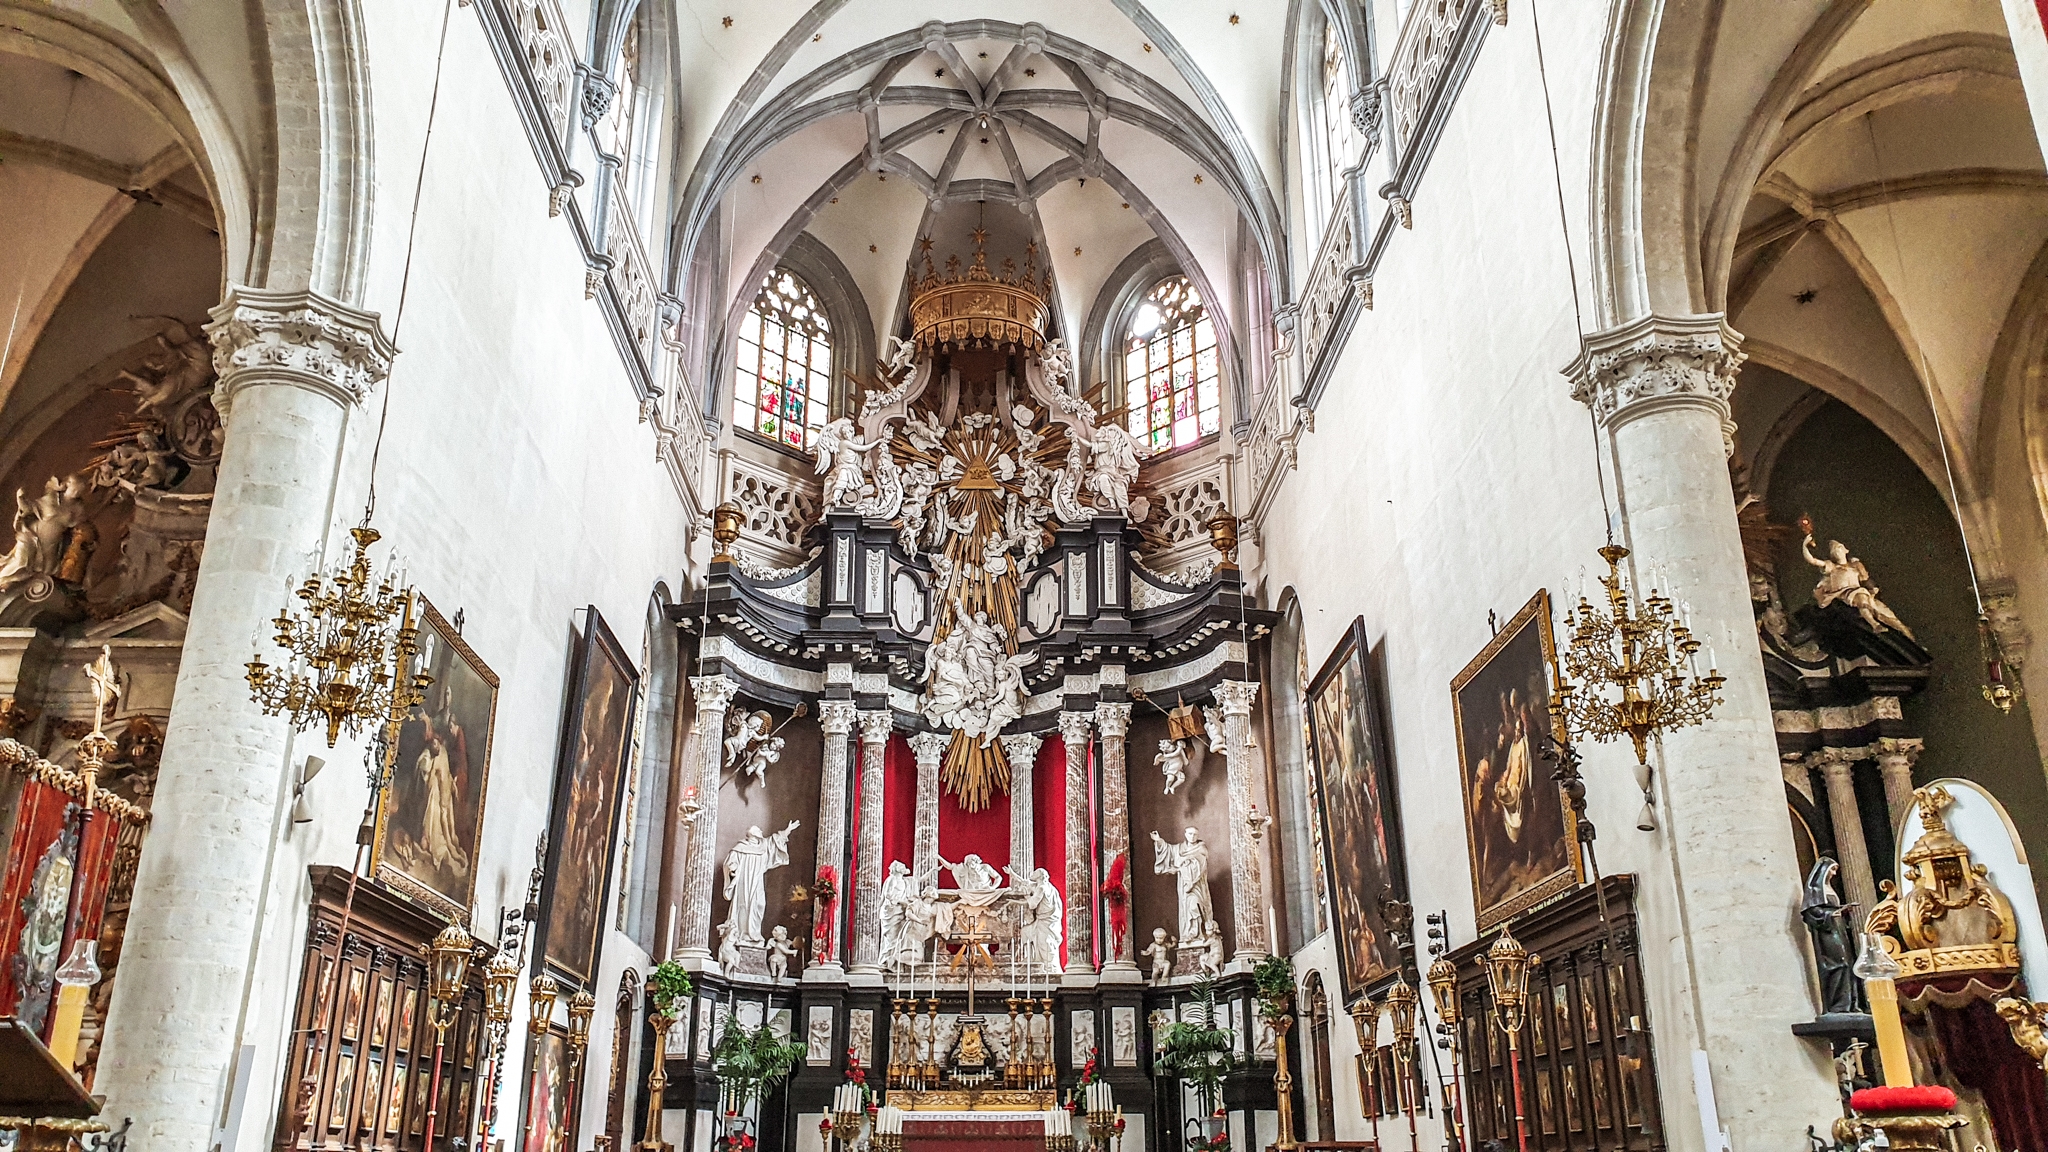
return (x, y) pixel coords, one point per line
(1090, 127)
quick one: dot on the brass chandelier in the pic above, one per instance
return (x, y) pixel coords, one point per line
(1635, 673)
(347, 663)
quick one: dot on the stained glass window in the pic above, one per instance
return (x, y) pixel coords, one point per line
(783, 374)
(1170, 371)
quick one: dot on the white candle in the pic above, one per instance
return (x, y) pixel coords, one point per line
(1272, 931)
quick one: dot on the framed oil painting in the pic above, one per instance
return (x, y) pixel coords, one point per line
(590, 775)
(545, 1123)
(431, 816)
(1522, 839)
(1353, 792)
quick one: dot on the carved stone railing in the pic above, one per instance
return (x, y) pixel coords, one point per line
(1438, 42)
(775, 508)
(543, 42)
(1269, 449)
(630, 275)
(1189, 487)
(1330, 278)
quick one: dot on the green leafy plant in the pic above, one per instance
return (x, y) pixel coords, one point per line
(749, 1062)
(667, 987)
(1197, 1051)
(1273, 980)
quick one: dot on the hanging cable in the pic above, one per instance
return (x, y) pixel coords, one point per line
(1926, 373)
(1571, 265)
(412, 229)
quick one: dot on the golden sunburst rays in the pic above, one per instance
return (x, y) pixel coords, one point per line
(974, 772)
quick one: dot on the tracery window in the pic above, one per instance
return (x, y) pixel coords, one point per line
(783, 371)
(1338, 142)
(1170, 368)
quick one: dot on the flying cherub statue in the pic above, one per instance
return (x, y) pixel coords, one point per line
(1173, 763)
(901, 352)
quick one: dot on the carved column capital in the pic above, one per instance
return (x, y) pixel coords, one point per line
(929, 746)
(1656, 363)
(1236, 696)
(836, 716)
(876, 726)
(1074, 726)
(713, 693)
(1907, 748)
(1113, 720)
(303, 339)
(1021, 750)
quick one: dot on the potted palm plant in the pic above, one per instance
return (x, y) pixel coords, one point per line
(749, 1063)
(1200, 1054)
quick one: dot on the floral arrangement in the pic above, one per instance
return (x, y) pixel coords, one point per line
(1116, 897)
(855, 1074)
(825, 889)
(1089, 1072)
(826, 886)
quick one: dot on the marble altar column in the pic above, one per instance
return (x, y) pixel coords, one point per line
(1658, 388)
(867, 884)
(835, 718)
(292, 367)
(1113, 721)
(1022, 752)
(1080, 853)
(929, 748)
(1247, 898)
(1837, 767)
(700, 871)
(1895, 759)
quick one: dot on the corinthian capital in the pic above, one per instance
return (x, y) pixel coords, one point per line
(1113, 720)
(1074, 726)
(302, 339)
(835, 717)
(929, 746)
(1658, 362)
(713, 693)
(1236, 696)
(875, 726)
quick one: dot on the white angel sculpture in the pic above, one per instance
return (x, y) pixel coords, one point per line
(901, 352)
(1173, 763)
(1057, 360)
(843, 455)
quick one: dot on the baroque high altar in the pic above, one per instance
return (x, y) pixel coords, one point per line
(952, 900)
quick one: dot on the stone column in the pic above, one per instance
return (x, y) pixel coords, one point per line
(291, 365)
(1022, 752)
(1247, 896)
(867, 884)
(1896, 756)
(1113, 721)
(1080, 854)
(835, 718)
(713, 695)
(928, 747)
(1659, 388)
(1837, 768)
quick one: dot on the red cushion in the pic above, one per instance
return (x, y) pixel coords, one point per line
(1920, 1098)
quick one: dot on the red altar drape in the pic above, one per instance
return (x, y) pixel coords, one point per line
(1049, 816)
(985, 833)
(1981, 1053)
(899, 802)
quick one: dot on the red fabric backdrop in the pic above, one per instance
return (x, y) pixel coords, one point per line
(899, 803)
(985, 833)
(1049, 815)
(2043, 6)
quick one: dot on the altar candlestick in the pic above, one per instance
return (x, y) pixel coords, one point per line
(1880, 973)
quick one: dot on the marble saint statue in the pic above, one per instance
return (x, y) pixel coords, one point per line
(1041, 916)
(1843, 577)
(1187, 860)
(746, 870)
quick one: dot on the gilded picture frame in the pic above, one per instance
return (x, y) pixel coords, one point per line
(430, 815)
(1522, 838)
(590, 782)
(1353, 791)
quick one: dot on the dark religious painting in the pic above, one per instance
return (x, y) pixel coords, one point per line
(1521, 836)
(431, 817)
(545, 1124)
(589, 777)
(1353, 792)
